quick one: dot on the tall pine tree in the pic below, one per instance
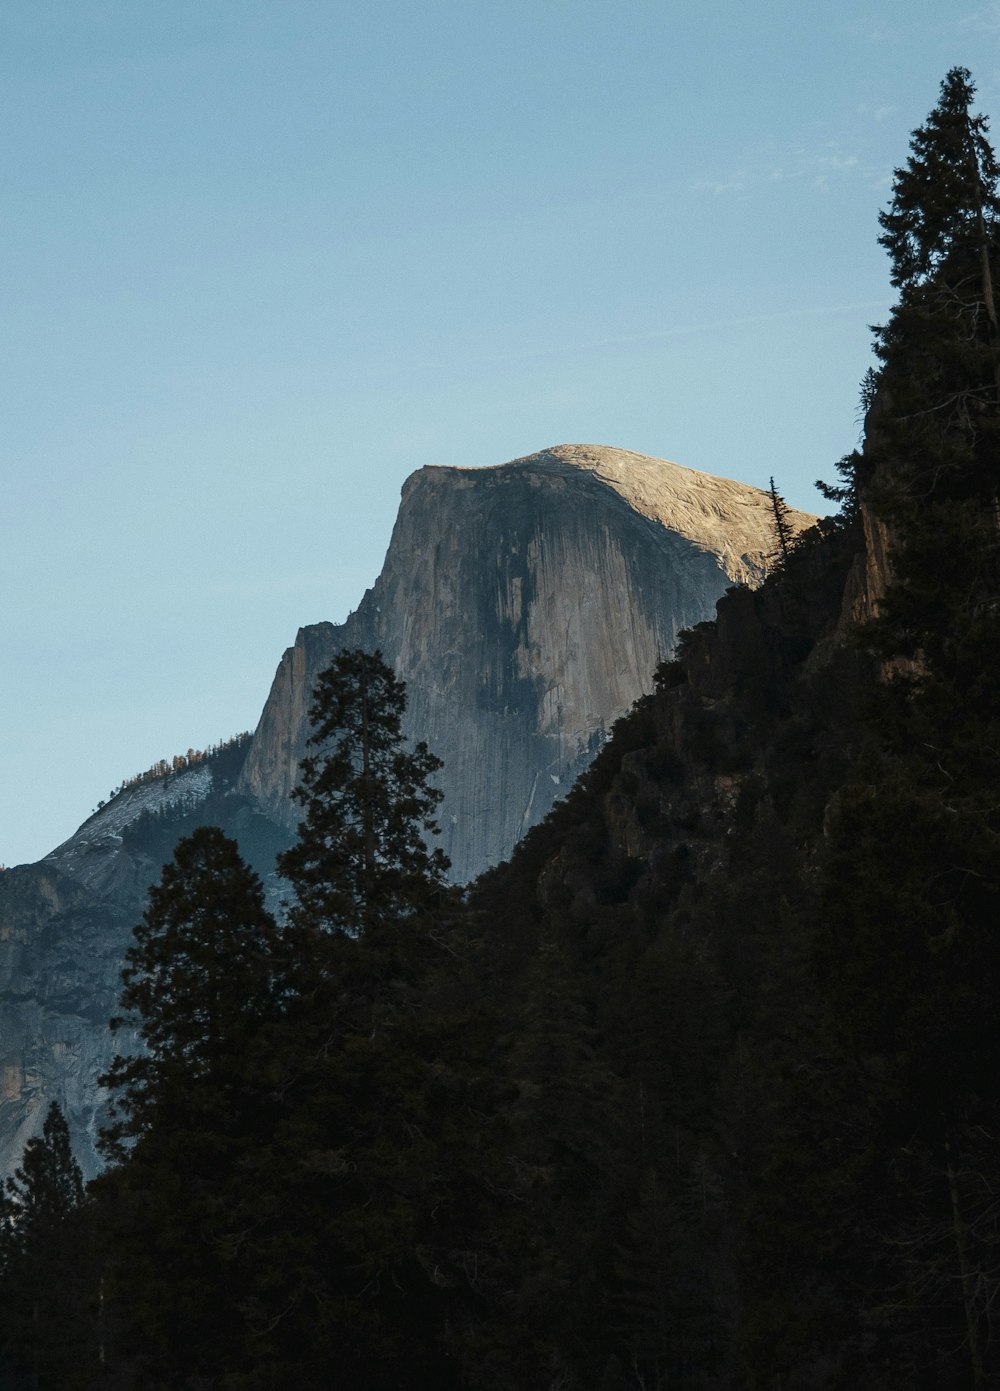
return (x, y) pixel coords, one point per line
(935, 416)
(944, 204)
(48, 1338)
(351, 1187)
(906, 955)
(200, 986)
(361, 860)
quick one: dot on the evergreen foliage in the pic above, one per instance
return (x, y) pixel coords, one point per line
(200, 988)
(277, 1195)
(783, 534)
(934, 421)
(945, 206)
(361, 859)
(845, 493)
(227, 758)
(48, 1332)
(197, 983)
(352, 1173)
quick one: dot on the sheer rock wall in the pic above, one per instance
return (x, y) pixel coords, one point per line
(526, 606)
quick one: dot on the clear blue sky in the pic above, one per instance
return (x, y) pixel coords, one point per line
(263, 258)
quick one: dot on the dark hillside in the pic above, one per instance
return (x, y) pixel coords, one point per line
(673, 887)
(777, 893)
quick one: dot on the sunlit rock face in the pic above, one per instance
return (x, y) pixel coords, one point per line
(526, 607)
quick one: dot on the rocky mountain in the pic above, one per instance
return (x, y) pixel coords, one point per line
(526, 606)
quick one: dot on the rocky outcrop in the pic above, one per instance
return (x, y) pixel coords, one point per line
(65, 924)
(526, 606)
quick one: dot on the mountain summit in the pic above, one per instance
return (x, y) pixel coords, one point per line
(526, 607)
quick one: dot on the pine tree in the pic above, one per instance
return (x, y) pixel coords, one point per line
(906, 958)
(200, 986)
(935, 417)
(198, 981)
(46, 1337)
(48, 1186)
(361, 860)
(783, 533)
(350, 1184)
(945, 204)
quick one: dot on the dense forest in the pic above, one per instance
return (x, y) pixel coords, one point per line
(699, 1090)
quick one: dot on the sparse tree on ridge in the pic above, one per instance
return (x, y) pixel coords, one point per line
(783, 532)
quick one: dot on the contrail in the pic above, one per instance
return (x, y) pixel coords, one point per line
(715, 326)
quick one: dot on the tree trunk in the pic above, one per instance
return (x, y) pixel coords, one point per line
(965, 1274)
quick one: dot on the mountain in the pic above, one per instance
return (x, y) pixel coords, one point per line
(526, 607)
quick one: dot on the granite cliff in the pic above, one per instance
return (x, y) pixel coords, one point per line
(526, 606)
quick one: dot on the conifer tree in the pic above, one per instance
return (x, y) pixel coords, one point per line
(782, 527)
(936, 412)
(48, 1185)
(361, 860)
(198, 981)
(200, 987)
(46, 1337)
(351, 1183)
(907, 965)
(945, 200)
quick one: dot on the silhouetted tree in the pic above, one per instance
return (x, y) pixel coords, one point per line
(47, 1336)
(200, 986)
(354, 1173)
(945, 201)
(783, 533)
(362, 859)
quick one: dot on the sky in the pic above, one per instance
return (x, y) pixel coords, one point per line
(261, 259)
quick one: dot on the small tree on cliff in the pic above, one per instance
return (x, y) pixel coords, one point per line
(783, 533)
